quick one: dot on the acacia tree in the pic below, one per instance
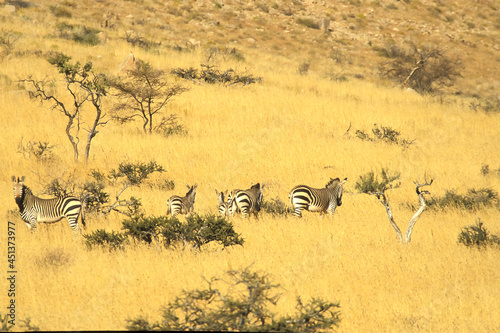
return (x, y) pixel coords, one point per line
(144, 91)
(420, 68)
(370, 184)
(83, 86)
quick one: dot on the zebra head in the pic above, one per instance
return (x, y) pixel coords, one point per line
(336, 185)
(223, 205)
(191, 193)
(18, 188)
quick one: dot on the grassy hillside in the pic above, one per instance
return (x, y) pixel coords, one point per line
(287, 130)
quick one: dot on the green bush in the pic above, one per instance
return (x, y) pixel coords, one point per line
(113, 240)
(370, 183)
(169, 231)
(473, 200)
(245, 307)
(477, 235)
(276, 208)
(384, 133)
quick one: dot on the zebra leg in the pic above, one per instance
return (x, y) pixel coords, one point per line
(73, 223)
(298, 212)
(32, 224)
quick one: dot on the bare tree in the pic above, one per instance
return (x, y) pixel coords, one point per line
(83, 86)
(144, 92)
(369, 184)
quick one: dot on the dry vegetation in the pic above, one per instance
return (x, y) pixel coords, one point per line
(287, 130)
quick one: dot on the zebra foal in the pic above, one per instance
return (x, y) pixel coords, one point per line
(246, 202)
(317, 200)
(34, 209)
(182, 205)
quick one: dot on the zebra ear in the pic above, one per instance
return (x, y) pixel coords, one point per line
(23, 178)
(13, 179)
(345, 179)
(262, 185)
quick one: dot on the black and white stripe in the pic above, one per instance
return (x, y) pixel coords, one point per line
(246, 202)
(182, 205)
(223, 205)
(34, 209)
(317, 200)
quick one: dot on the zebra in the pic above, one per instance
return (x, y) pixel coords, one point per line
(248, 201)
(223, 205)
(183, 205)
(34, 209)
(317, 200)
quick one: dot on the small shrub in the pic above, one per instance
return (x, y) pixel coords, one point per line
(308, 22)
(386, 134)
(111, 240)
(170, 126)
(6, 326)
(41, 151)
(97, 197)
(60, 11)
(473, 200)
(304, 67)
(213, 75)
(276, 208)
(60, 188)
(169, 231)
(245, 307)
(477, 235)
(80, 34)
(488, 105)
(139, 41)
(370, 183)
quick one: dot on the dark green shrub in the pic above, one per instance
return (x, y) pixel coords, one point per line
(308, 22)
(201, 230)
(473, 200)
(169, 231)
(112, 240)
(385, 134)
(477, 235)
(60, 188)
(370, 183)
(146, 229)
(276, 208)
(97, 197)
(245, 307)
(213, 75)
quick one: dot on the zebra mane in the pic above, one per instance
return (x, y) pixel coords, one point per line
(20, 200)
(332, 181)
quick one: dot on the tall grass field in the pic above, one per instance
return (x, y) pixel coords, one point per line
(287, 130)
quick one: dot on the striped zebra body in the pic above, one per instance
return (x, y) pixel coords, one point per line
(34, 209)
(246, 202)
(317, 200)
(182, 205)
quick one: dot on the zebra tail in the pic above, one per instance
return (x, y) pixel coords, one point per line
(84, 206)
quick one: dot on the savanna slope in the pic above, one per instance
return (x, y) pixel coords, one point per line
(287, 130)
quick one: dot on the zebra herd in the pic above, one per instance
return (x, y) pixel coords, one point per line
(324, 200)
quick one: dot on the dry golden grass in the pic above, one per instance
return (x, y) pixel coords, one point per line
(288, 130)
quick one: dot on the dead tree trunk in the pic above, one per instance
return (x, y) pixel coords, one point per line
(383, 199)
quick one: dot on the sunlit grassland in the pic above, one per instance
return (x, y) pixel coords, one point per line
(290, 129)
